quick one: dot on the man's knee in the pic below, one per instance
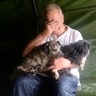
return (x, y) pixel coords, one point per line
(67, 86)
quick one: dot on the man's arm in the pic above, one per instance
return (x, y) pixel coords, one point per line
(47, 31)
(60, 63)
(34, 43)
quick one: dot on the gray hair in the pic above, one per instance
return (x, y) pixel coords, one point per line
(53, 6)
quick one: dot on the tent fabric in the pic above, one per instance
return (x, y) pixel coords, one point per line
(21, 20)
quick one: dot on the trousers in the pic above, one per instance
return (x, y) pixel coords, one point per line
(30, 85)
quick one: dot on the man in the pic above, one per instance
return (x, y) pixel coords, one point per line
(66, 85)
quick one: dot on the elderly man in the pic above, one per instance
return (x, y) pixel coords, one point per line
(54, 29)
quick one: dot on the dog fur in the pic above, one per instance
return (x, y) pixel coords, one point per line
(38, 60)
(75, 52)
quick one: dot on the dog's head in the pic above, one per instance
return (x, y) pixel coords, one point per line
(52, 48)
(85, 50)
(76, 52)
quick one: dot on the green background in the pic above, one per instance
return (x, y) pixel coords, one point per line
(20, 22)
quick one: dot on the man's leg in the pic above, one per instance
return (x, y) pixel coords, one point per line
(28, 85)
(67, 85)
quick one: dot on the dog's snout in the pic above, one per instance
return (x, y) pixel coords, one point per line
(54, 50)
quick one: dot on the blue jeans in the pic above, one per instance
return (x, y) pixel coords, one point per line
(29, 85)
(67, 85)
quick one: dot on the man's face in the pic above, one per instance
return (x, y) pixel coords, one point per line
(54, 17)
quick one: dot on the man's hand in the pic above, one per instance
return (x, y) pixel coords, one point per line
(50, 27)
(60, 63)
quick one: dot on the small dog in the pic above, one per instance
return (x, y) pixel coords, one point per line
(38, 60)
(77, 53)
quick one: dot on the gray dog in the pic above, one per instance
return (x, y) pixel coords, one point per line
(38, 60)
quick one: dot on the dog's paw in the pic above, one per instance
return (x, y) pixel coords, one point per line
(56, 73)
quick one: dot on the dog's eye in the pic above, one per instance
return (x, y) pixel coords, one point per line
(47, 46)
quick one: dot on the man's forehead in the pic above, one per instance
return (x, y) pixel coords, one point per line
(52, 14)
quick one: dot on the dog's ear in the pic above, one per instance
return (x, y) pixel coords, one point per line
(58, 42)
(81, 67)
(83, 61)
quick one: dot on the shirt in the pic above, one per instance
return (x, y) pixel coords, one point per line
(69, 36)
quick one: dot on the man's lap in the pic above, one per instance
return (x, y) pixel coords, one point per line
(43, 84)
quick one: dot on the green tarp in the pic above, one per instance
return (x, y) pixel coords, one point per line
(21, 21)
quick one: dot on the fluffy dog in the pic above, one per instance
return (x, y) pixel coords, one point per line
(77, 53)
(38, 60)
